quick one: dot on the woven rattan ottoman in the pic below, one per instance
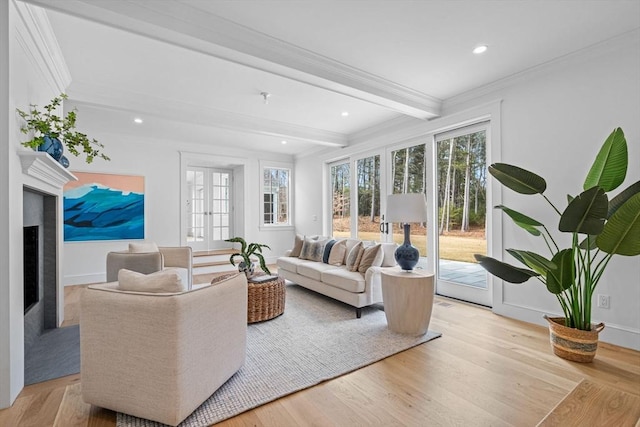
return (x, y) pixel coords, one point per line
(266, 298)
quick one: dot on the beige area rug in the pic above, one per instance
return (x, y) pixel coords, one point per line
(316, 339)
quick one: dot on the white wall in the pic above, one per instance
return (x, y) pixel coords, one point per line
(552, 121)
(308, 196)
(26, 78)
(160, 162)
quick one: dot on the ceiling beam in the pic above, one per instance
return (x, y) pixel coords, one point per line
(179, 23)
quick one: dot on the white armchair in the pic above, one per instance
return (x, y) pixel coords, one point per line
(180, 258)
(160, 356)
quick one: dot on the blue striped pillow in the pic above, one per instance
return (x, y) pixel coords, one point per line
(327, 251)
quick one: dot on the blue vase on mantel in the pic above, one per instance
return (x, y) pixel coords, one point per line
(52, 146)
(64, 162)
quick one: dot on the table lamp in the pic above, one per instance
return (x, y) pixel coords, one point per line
(406, 208)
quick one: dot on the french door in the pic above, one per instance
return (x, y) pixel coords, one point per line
(209, 207)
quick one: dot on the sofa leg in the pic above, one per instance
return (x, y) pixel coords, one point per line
(358, 312)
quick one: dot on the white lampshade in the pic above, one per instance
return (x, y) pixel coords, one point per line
(411, 207)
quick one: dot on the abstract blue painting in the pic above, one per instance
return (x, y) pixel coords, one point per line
(104, 207)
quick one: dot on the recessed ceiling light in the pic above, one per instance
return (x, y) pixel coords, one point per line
(480, 49)
(283, 142)
(137, 120)
(345, 113)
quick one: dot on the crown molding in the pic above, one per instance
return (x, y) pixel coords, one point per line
(622, 40)
(184, 25)
(35, 35)
(107, 98)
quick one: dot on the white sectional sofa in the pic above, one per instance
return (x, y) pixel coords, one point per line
(357, 285)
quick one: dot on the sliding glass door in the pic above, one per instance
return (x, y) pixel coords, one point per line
(340, 184)
(408, 175)
(356, 197)
(368, 196)
(461, 201)
(451, 170)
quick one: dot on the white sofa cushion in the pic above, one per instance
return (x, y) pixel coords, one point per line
(313, 270)
(290, 263)
(342, 278)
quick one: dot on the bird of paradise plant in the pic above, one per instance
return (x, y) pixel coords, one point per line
(600, 228)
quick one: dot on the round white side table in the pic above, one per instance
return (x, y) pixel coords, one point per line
(408, 300)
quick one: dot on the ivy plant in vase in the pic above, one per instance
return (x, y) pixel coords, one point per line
(246, 266)
(598, 228)
(51, 133)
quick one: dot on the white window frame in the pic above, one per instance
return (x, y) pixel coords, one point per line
(265, 165)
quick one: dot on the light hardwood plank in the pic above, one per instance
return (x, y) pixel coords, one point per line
(594, 404)
(484, 370)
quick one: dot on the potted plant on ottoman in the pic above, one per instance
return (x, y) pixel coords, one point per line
(246, 252)
(600, 228)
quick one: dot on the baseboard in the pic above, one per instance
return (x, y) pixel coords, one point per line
(83, 279)
(623, 336)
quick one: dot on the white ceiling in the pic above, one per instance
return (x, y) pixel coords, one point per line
(194, 69)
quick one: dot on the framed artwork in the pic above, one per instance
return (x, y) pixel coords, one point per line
(101, 206)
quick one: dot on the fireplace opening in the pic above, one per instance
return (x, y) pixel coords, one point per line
(31, 267)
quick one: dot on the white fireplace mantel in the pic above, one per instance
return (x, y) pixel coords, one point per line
(45, 175)
(43, 167)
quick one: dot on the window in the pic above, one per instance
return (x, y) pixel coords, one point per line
(276, 183)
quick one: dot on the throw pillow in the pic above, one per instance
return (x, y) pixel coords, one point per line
(306, 247)
(353, 259)
(369, 256)
(297, 245)
(143, 247)
(316, 251)
(338, 251)
(388, 250)
(378, 260)
(327, 251)
(164, 281)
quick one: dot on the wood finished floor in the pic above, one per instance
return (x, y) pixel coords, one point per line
(485, 370)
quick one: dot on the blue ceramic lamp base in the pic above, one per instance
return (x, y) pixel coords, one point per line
(407, 255)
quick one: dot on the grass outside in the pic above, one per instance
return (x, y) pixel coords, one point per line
(454, 245)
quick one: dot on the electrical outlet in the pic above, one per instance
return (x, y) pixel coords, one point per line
(604, 301)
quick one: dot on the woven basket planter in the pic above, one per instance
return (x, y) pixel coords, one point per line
(265, 300)
(573, 344)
